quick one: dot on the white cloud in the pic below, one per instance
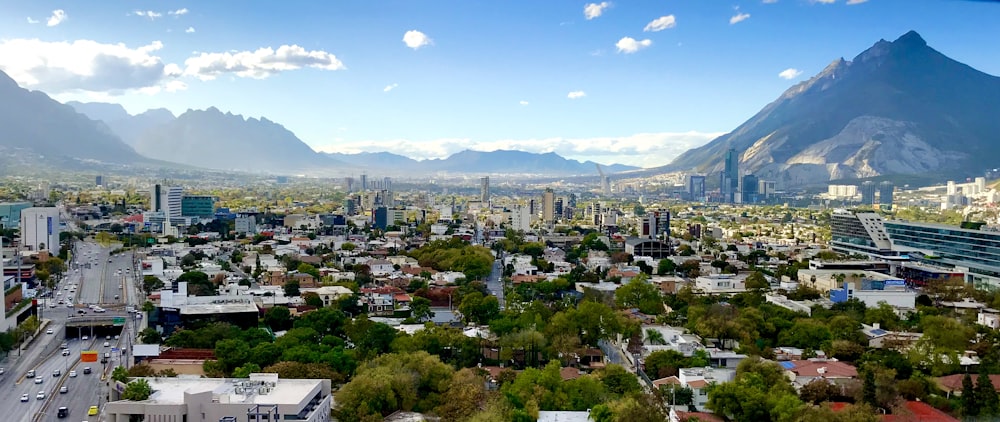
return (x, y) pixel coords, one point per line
(259, 64)
(825, 1)
(595, 10)
(389, 87)
(58, 17)
(629, 45)
(641, 149)
(84, 66)
(790, 73)
(148, 14)
(661, 23)
(190, 30)
(738, 17)
(576, 94)
(178, 12)
(32, 21)
(416, 39)
(852, 2)
(522, 102)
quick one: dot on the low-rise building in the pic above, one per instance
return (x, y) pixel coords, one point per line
(212, 399)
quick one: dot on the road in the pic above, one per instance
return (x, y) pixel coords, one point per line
(102, 285)
(494, 283)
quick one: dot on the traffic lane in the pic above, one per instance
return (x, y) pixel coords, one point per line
(49, 383)
(83, 391)
(115, 277)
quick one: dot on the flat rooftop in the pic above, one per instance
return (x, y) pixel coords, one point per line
(218, 308)
(171, 390)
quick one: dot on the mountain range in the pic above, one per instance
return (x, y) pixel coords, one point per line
(899, 107)
(481, 162)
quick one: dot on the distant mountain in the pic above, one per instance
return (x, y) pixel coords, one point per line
(383, 160)
(128, 127)
(899, 107)
(216, 140)
(30, 120)
(481, 162)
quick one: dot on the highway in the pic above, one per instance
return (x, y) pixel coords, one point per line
(101, 285)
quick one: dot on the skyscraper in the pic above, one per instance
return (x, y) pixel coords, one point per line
(696, 188)
(749, 190)
(484, 189)
(868, 193)
(729, 182)
(364, 182)
(548, 205)
(885, 191)
(167, 199)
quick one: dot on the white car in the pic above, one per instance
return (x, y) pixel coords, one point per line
(107, 344)
(86, 338)
(63, 390)
(38, 380)
(24, 397)
(49, 331)
(40, 395)
(65, 352)
(72, 374)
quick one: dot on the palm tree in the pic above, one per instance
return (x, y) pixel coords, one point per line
(655, 336)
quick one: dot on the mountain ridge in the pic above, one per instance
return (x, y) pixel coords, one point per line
(894, 96)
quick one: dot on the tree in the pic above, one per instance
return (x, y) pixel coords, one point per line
(618, 380)
(465, 395)
(970, 406)
(150, 336)
(757, 282)
(420, 309)
(760, 392)
(120, 374)
(818, 391)
(313, 299)
(198, 283)
(479, 309)
(291, 288)
(986, 394)
(637, 293)
(232, 353)
(152, 283)
(665, 266)
(279, 318)
(245, 370)
(409, 381)
(137, 390)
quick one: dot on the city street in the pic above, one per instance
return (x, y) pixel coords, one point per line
(101, 284)
(494, 282)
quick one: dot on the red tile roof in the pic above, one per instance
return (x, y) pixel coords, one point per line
(569, 373)
(700, 416)
(954, 382)
(916, 411)
(826, 369)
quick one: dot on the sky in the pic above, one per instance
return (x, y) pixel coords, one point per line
(632, 82)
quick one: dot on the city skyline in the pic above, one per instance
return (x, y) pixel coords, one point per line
(607, 81)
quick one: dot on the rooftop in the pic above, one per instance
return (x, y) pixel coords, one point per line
(171, 390)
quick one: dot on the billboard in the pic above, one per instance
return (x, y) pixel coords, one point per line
(50, 225)
(88, 356)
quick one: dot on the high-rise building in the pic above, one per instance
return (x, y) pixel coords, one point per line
(484, 190)
(729, 182)
(10, 213)
(696, 188)
(364, 181)
(559, 207)
(201, 206)
(885, 191)
(349, 184)
(548, 205)
(655, 224)
(99, 180)
(968, 248)
(765, 188)
(749, 190)
(246, 224)
(167, 199)
(520, 218)
(868, 192)
(40, 229)
(858, 232)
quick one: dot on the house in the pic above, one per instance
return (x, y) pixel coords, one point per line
(918, 411)
(380, 267)
(720, 283)
(879, 338)
(380, 301)
(331, 294)
(989, 318)
(803, 372)
(564, 416)
(698, 380)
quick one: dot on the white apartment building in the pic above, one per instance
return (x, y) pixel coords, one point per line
(520, 218)
(265, 396)
(167, 199)
(40, 229)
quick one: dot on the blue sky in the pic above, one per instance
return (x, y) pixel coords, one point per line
(478, 74)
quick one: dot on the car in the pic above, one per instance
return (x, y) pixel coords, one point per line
(117, 336)
(56, 374)
(92, 411)
(62, 302)
(107, 337)
(65, 352)
(24, 397)
(107, 355)
(40, 395)
(63, 412)
(138, 316)
(86, 337)
(1, 371)
(69, 304)
(107, 344)
(30, 374)
(81, 311)
(38, 380)
(49, 331)
(64, 345)
(53, 305)
(86, 370)
(63, 390)
(72, 374)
